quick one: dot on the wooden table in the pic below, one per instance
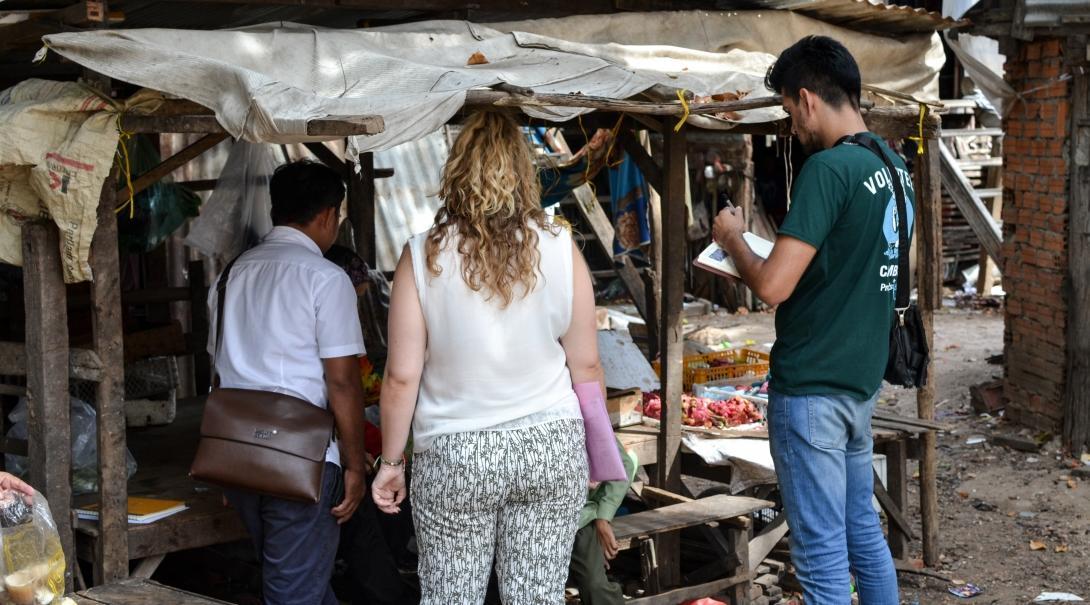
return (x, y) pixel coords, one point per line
(138, 591)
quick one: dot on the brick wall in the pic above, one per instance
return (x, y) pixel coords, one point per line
(1035, 199)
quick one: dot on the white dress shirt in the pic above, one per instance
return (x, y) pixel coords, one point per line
(287, 308)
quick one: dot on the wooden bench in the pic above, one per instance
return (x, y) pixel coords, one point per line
(639, 530)
(138, 591)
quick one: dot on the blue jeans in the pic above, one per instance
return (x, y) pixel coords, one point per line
(822, 449)
(296, 542)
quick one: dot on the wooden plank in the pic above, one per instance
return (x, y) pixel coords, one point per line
(687, 593)
(971, 132)
(595, 217)
(896, 517)
(171, 164)
(929, 266)
(912, 422)
(500, 98)
(49, 430)
(971, 206)
(1076, 424)
(147, 566)
(142, 592)
(155, 342)
(679, 516)
(660, 497)
(113, 559)
(650, 170)
(761, 545)
(978, 163)
(83, 364)
(642, 440)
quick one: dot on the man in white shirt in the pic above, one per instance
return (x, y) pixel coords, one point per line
(291, 326)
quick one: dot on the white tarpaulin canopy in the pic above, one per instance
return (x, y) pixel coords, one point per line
(264, 83)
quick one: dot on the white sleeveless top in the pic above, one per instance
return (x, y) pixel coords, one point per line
(489, 367)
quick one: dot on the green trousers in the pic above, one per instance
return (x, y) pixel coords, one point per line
(588, 571)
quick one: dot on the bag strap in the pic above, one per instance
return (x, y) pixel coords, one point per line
(904, 244)
(221, 295)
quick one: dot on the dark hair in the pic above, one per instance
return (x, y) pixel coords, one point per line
(819, 64)
(301, 190)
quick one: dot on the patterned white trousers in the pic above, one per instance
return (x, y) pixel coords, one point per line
(513, 494)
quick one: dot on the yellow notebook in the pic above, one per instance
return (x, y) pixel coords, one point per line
(141, 510)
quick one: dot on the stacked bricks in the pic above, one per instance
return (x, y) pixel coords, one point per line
(1035, 215)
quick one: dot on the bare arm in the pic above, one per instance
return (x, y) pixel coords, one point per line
(405, 361)
(772, 280)
(342, 377)
(581, 340)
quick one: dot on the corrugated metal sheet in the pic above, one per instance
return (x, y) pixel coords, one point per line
(864, 15)
(407, 202)
(1055, 13)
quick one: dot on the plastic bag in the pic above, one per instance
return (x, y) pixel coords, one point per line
(159, 210)
(236, 216)
(33, 562)
(84, 446)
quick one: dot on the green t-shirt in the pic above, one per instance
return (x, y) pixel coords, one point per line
(832, 334)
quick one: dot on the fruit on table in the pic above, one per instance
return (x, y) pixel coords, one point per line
(708, 413)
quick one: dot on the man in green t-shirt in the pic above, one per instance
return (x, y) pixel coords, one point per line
(832, 272)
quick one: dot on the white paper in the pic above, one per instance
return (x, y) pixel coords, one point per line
(715, 259)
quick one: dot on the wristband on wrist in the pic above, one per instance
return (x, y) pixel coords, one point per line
(380, 461)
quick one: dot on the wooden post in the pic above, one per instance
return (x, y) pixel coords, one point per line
(112, 562)
(198, 327)
(1077, 395)
(897, 486)
(674, 247)
(929, 251)
(361, 207)
(49, 434)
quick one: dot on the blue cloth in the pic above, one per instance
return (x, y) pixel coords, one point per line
(823, 450)
(296, 542)
(629, 194)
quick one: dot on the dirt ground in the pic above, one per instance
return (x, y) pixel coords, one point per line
(993, 501)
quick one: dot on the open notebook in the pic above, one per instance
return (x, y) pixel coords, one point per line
(716, 260)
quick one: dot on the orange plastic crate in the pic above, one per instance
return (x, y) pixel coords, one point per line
(746, 361)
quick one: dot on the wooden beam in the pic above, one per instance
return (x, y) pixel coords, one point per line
(896, 452)
(896, 517)
(595, 218)
(182, 116)
(171, 164)
(49, 431)
(1076, 423)
(929, 280)
(198, 327)
(762, 544)
(112, 563)
(501, 98)
(671, 347)
(643, 160)
(83, 364)
(328, 157)
(900, 122)
(971, 206)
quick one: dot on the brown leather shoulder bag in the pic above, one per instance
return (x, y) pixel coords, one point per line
(259, 441)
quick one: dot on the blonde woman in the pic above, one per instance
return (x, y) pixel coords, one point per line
(491, 324)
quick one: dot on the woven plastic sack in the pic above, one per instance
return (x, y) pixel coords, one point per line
(33, 561)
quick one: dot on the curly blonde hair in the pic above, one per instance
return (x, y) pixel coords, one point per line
(491, 202)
